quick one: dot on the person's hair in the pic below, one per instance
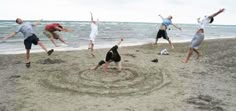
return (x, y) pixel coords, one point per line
(212, 19)
(17, 20)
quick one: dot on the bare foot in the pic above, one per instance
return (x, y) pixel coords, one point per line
(172, 47)
(198, 56)
(184, 61)
(92, 68)
(154, 44)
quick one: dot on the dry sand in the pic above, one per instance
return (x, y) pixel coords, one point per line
(62, 82)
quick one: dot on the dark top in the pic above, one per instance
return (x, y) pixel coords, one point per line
(113, 54)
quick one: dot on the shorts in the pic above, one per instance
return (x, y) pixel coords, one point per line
(49, 34)
(31, 39)
(101, 62)
(197, 40)
(162, 33)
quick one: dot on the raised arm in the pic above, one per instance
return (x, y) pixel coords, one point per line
(9, 36)
(161, 16)
(92, 18)
(198, 20)
(218, 12)
(37, 23)
(122, 39)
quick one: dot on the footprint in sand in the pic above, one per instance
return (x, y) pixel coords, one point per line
(206, 102)
(51, 61)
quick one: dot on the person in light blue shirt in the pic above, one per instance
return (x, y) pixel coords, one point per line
(30, 38)
(162, 31)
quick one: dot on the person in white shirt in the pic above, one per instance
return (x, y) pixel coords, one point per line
(199, 35)
(93, 34)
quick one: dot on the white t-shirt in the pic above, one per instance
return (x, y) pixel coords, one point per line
(204, 22)
(94, 29)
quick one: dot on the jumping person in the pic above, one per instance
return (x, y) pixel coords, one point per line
(27, 30)
(93, 34)
(111, 56)
(162, 31)
(199, 35)
(50, 32)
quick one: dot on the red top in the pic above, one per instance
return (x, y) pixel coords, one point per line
(51, 27)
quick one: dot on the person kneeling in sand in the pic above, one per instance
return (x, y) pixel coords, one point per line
(112, 55)
(50, 32)
(30, 38)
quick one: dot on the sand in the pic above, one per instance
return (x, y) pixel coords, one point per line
(63, 81)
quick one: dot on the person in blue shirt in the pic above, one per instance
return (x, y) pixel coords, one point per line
(26, 28)
(162, 31)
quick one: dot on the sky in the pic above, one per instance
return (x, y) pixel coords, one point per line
(183, 11)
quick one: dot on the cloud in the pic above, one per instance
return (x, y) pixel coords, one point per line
(184, 11)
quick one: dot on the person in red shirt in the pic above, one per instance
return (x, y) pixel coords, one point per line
(50, 32)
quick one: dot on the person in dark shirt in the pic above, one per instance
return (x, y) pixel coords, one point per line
(111, 56)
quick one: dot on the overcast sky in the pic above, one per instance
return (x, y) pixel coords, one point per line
(183, 11)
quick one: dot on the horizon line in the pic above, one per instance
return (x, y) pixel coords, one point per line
(111, 21)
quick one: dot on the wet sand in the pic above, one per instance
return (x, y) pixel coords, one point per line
(63, 81)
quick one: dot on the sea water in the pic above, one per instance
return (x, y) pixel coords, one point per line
(109, 33)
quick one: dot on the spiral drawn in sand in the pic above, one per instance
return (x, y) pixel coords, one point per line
(114, 83)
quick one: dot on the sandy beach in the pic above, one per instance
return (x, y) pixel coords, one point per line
(63, 81)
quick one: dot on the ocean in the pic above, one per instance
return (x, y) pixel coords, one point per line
(109, 33)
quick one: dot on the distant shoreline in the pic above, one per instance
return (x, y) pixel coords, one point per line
(64, 49)
(116, 21)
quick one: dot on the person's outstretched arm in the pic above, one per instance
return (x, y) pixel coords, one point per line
(161, 16)
(198, 20)
(122, 39)
(92, 18)
(37, 23)
(63, 29)
(176, 27)
(9, 36)
(218, 12)
(105, 67)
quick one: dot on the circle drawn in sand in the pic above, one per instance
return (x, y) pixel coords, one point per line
(114, 83)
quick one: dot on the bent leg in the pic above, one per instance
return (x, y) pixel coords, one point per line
(172, 46)
(42, 46)
(118, 65)
(198, 53)
(190, 52)
(61, 39)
